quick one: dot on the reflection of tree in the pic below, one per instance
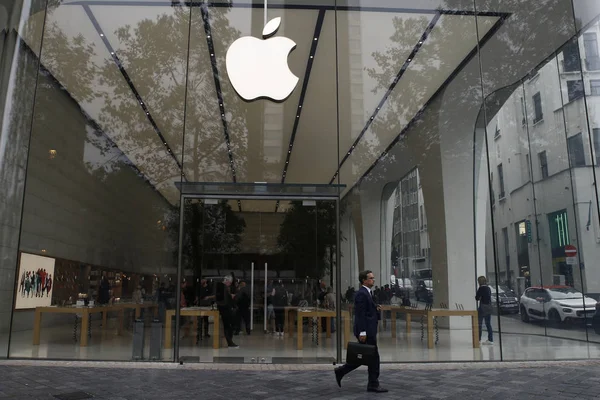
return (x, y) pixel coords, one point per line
(155, 55)
(307, 238)
(213, 229)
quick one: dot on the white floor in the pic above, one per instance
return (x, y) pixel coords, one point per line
(519, 341)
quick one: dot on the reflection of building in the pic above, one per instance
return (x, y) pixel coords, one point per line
(410, 241)
(541, 168)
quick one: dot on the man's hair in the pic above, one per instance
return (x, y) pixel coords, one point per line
(362, 276)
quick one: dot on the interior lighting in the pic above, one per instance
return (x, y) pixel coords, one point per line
(52, 153)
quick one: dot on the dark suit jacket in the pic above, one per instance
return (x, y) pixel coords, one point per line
(366, 316)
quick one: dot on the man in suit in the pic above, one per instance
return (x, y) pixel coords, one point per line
(366, 320)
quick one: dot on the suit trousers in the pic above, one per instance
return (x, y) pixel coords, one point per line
(373, 368)
(203, 322)
(244, 315)
(228, 321)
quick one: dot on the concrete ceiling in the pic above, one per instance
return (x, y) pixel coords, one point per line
(126, 63)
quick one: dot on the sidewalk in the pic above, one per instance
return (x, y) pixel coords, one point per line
(118, 381)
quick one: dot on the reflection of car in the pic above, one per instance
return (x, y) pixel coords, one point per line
(509, 303)
(404, 284)
(556, 304)
(596, 319)
(424, 290)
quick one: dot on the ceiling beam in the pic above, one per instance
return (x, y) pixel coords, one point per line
(309, 63)
(219, 92)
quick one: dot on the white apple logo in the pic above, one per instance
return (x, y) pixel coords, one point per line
(258, 68)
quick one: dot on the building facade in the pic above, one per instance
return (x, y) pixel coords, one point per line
(432, 141)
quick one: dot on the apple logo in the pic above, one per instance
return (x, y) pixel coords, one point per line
(259, 68)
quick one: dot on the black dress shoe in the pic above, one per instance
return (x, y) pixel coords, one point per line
(338, 376)
(377, 389)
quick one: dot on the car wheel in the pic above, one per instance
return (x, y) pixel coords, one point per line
(524, 315)
(554, 317)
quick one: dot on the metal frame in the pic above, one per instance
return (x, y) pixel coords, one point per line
(229, 196)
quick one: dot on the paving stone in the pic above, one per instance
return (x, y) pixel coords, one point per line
(122, 381)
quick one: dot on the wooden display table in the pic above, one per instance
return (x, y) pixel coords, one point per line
(85, 318)
(430, 314)
(139, 306)
(193, 312)
(318, 313)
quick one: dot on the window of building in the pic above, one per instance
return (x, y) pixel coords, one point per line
(592, 57)
(571, 57)
(501, 181)
(576, 153)
(596, 139)
(543, 164)
(595, 87)
(537, 104)
(575, 89)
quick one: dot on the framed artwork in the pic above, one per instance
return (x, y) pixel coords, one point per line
(35, 281)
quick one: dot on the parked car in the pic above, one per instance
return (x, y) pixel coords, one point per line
(556, 304)
(509, 303)
(596, 319)
(424, 290)
(404, 284)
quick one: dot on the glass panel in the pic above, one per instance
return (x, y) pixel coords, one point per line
(264, 269)
(405, 97)
(584, 117)
(545, 213)
(18, 71)
(100, 220)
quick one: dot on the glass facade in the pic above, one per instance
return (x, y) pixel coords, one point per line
(430, 142)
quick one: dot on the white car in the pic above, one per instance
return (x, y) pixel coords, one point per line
(404, 283)
(556, 304)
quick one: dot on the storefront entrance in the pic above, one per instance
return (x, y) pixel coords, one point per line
(278, 244)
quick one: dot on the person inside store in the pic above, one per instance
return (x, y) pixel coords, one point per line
(243, 301)
(484, 311)
(162, 299)
(321, 299)
(366, 320)
(225, 303)
(104, 290)
(205, 299)
(279, 296)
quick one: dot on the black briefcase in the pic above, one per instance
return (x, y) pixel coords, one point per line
(360, 353)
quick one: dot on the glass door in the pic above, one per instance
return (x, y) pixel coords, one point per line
(257, 283)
